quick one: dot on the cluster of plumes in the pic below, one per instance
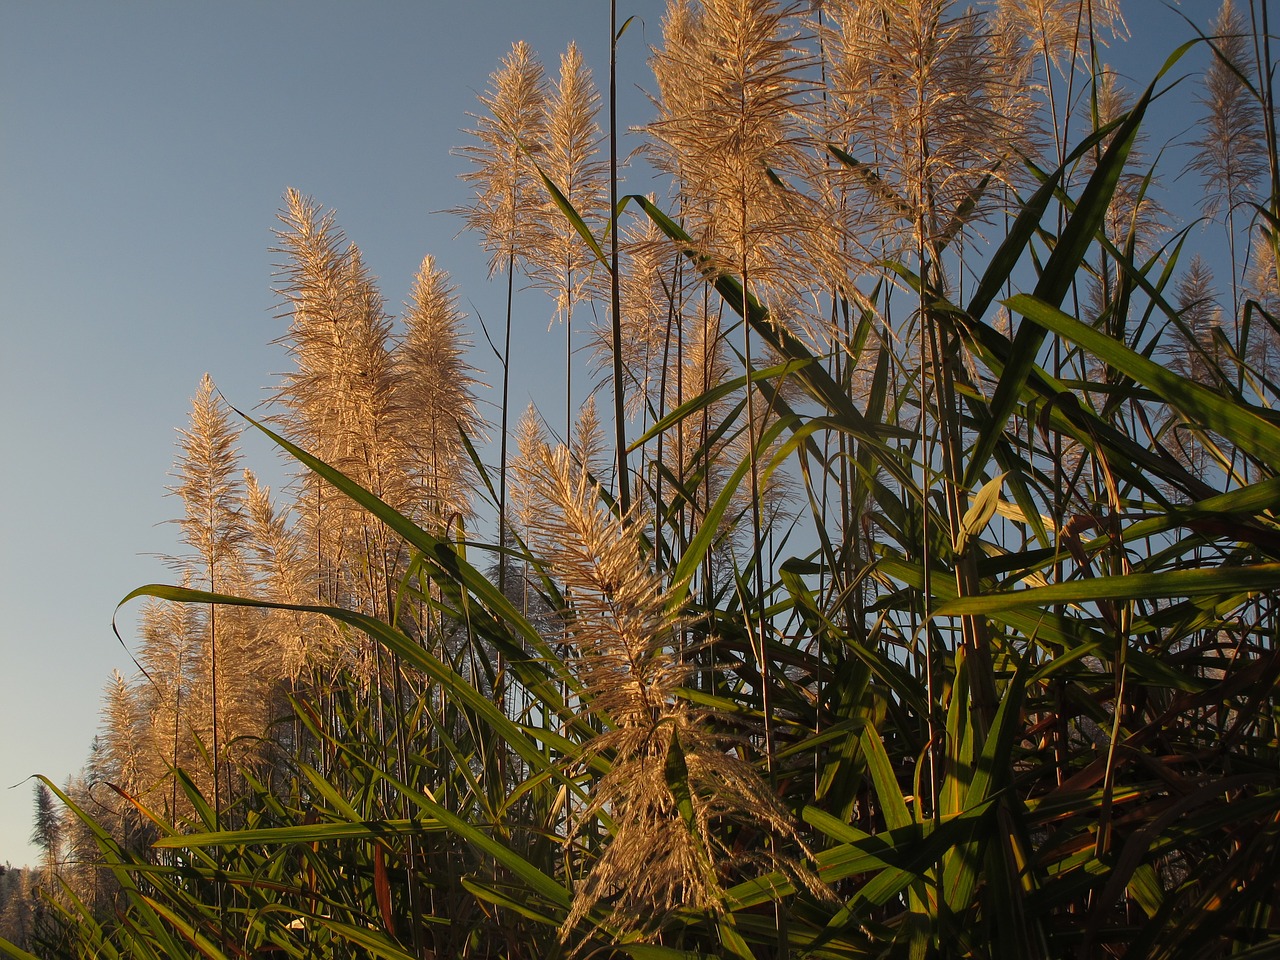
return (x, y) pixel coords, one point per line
(390, 415)
(803, 151)
(387, 408)
(1063, 32)
(733, 98)
(1217, 337)
(526, 138)
(1231, 158)
(1230, 153)
(688, 811)
(934, 106)
(928, 111)
(211, 679)
(529, 126)
(1211, 343)
(746, 116)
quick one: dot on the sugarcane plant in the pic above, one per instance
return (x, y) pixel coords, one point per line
(937, 619)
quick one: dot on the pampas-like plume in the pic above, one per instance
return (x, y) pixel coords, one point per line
(341, 395)
(730, 127)
(344, 404)
(932, 110)
(1195, 352)
(570, 159)
(1261, 342)
(589, 448)
(122, 759)
(1230, 152)
(210, 487)
(291, 641)
(47, 834)
(531, 438)
(508, 192)
(437, 398)
(213, 526)
(1200, 315)
(169, 650)
(1060, 30)
(508, 198)
(674, 783)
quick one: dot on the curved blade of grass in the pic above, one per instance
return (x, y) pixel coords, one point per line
(711, 397)
(893, 803)
(441, 554)
(990, 776)
(13, 950)
(655, 951)
(1066, 638)
(813, 376)
(874, 183)
(537, 880)
(571, 214)
(900, 857)
(302, 833)
(1252, 433)
(487, 893)
(370, 940)
(189, 933)
(709, 527)
(1057, 277)
(981, 511)
(1208, 581)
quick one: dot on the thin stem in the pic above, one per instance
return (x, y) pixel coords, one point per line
(615, 291)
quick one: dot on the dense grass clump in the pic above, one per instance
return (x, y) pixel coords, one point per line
(927, 609)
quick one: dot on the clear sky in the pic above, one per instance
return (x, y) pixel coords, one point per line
(144, 150)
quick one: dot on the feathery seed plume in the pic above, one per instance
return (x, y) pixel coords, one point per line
(508, 192)
(570, 157)
(1231, 150)
(930, 111)
(344, 405)
(664, 855)
(1059, 30)
(437, 397)
(730, 128)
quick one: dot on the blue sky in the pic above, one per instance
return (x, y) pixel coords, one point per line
(144, 150)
